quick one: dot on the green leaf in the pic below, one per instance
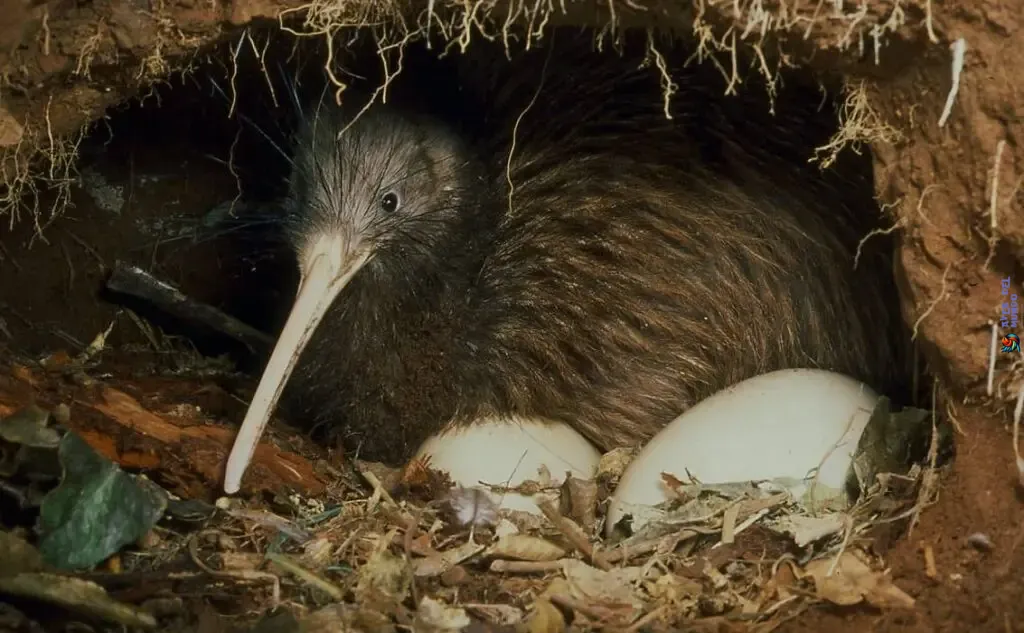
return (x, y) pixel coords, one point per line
(96, 510)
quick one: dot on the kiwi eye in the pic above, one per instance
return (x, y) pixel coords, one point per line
(389, 202)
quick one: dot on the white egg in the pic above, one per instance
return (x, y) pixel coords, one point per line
(509, 451)
(801, 425)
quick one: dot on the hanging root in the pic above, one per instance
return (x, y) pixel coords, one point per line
(36, 171)
(859, 124)
(1018, 410)
(993, 204)
(959, 48)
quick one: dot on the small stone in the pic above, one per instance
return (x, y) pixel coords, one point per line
(980, 542)
(62, 414)
(150, 540)
(455, 576)
(11, 132)
(164, 607)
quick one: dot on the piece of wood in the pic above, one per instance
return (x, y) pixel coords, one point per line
(203, 447)
(135, 282)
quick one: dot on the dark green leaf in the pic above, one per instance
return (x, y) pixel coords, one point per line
(96, 510)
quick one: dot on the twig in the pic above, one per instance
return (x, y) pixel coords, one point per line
(135, 282)
(992, 358)
(1016, 435)
(573, 532)
(241, 574)
(847, 533)
(930, 569)
(993, 204)
(647, 619)
(306, 576)
(993, 201)
(378, 488)
(526, 566)
(88, 249)
(729, 524)
(590, 611)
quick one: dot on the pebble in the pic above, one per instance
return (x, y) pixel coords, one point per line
(150, 540)
(62, 414)
(455, 576)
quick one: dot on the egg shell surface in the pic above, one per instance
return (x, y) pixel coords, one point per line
(780, 425)
(509, 451)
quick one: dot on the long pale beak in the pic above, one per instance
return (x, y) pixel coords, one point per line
(330, 264)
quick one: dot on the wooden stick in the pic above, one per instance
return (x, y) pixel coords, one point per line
(135, 282)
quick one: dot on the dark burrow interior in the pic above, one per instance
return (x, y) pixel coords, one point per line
(183, 182)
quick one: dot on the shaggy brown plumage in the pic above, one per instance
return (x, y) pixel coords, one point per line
(641, 265)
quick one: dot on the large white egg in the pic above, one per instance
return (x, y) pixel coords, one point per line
(781, 425)
(509, 451)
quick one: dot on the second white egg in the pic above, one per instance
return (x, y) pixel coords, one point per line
(792, 424)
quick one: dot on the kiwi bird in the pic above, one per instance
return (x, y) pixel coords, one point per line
(586, 260)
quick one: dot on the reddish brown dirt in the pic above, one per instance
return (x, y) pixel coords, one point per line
(65, 62)
(973, 590)
(167, 428)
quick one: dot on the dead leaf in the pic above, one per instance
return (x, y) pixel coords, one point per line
(676, 590)
(853, 580)
(608, 588)
(505, 528)
(440, 562)
(545, 618)
(436, 617)
(383, 572)
(24, 374)
(342, 618)
(805, 530)
(579, 502)
(499, 614)
(318, 552)
(525, 547)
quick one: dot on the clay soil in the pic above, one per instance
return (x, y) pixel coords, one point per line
(63, 64)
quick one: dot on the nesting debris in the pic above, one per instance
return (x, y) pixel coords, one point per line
(95, 509)
(388, 548)
(850, 580)
(26, 574)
